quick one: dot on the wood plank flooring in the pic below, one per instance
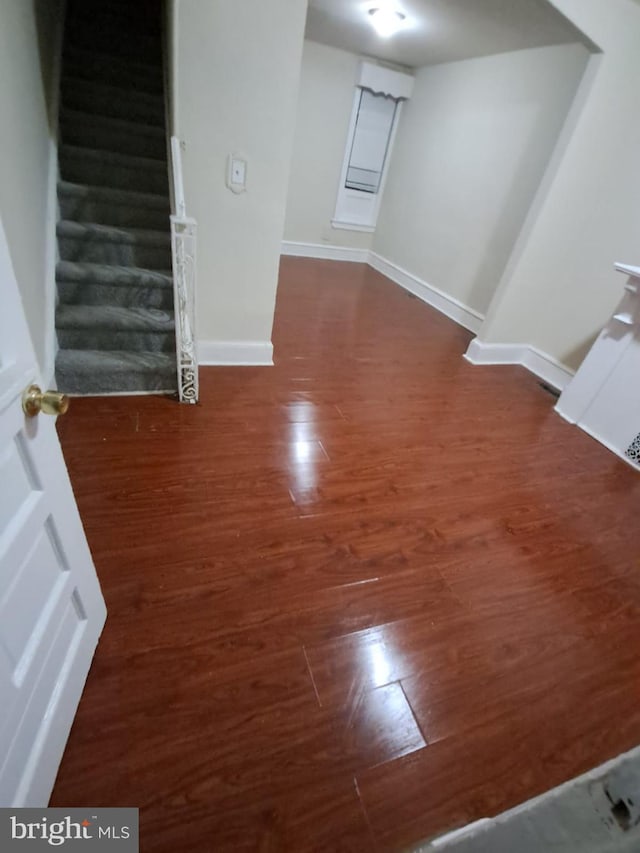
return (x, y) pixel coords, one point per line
(356, 599)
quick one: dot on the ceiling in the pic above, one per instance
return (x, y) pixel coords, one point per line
(441, 30)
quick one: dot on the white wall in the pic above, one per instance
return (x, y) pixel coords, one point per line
(560, 286)
(28, 44)
(472, 146)
(327, 86)
(236, 75)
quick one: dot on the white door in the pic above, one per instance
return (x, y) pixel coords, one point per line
(51, 606)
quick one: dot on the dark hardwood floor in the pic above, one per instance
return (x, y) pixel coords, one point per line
(356, 599)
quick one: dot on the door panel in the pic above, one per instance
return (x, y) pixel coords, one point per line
(51, 606)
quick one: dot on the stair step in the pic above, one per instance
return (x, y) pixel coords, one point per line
(89, 130)
(109, 327)
(115, 18)
(99, 372)
(114, 318)
(105, 244)
(120, 102)
(121, 208)
(111, 169)
(146, 7)
(98, 293)
(98, 284)
(151, 10)
(110, 274)
(105, 68)
(133, 46)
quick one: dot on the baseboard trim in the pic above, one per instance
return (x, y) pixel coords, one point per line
(325, 252)
(447, 305)
(597, 437)
(480, 352)
(539, 363)
(235, 353)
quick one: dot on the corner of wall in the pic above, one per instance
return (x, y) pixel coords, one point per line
(540, 198)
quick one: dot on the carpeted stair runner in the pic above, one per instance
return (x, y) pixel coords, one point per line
(114, 320)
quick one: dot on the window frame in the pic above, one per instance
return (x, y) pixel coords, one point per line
(348, 198)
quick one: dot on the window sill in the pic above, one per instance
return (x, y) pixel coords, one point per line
(352, 226)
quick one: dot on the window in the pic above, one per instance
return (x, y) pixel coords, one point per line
(370, 141)
(374, 118)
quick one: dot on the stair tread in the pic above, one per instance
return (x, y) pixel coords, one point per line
(114, 317)
(148, 7)
(95, 87)
(115, 371)
(135, 6)
(112, 274)
(122, 15)
(131, 198)
(80, 55)
(131, 45)
(93, 130)
(79, 31)
(110, 357)
(114, 158)
(71, 114)
(117, 100)
(113, 233)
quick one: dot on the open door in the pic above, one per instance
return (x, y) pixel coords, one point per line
(51, 606)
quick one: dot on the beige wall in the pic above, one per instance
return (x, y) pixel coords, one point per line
(472, 146)
(28, 33)
(327, 87)
(560, 287)
(237, 72)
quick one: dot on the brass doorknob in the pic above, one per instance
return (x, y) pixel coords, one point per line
(35, 401)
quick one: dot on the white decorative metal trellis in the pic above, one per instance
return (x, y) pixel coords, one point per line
(183, 254)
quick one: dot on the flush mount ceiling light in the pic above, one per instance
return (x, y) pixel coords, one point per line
(386, 21)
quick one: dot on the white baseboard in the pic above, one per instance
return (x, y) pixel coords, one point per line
(325, 252)
(448, 305)
(603, 441)
(480, 352)
(238, 353)
(550, 370)
(541, 364)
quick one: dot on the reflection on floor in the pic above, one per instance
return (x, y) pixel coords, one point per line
(356, 599)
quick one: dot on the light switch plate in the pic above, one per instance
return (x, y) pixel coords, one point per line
(236, 173)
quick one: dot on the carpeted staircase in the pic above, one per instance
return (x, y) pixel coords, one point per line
(114, 319)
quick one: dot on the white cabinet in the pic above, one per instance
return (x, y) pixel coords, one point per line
(603, 398)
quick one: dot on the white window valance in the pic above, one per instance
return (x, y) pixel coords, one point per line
(385, 81)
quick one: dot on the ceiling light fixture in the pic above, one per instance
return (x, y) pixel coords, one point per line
(386, 21)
